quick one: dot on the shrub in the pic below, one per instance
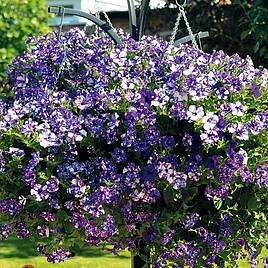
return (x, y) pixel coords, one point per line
(19, 19)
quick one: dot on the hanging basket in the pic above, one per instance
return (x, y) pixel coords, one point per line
(126, 141)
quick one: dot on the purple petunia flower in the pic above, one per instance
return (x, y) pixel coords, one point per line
(190, 220)
(167, 237)
(16, 152)
(77, 188)
(149, 172)
(168, 142)
(52, 185)
(255, 90)
(119, 155)
(212, 162)
(10, 206)
(5, 230)
(241, 241)
(150, 234)
(59, 255)
(261, 176)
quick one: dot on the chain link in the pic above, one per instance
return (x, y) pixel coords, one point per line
(63, 62)
(108, 19)
(189, 29)
(97, 14)
(62, 10)
(175, 29)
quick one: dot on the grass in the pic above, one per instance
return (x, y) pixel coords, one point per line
(245, 263)
(15, 253)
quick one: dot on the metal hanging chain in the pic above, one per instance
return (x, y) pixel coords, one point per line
(177, 24)
(108, 20)
(175, 30)
(97, 14)
(188, 27)
(63, 62)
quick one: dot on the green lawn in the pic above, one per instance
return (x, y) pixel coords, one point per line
(15, 253)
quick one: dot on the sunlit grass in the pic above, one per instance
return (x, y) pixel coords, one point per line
(15, 253)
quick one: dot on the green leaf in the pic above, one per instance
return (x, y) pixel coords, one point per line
(217, 203)
(62, 215)
(80, 242)
(245, 34)
(263, 51)
(69, 228)
(168, 196)
(256, 47)
(253, 203)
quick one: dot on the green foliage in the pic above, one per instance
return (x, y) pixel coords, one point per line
(19, 19)
(256, 19)
(237, 26)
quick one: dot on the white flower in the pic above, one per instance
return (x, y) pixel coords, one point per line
(180, 96)
(173, 68)
(48, 138)
(201, 60)
(210, 120)
(209, 137)
(237, 108)
(43, 126)
(195, 112)
(80, 102)
(161, 98)
(245, 156)
(11, 115)
(232, 128)
(241, 132)
(133, 96)
(126, 84)
(39, 192)
(75, 136)
(188, 71)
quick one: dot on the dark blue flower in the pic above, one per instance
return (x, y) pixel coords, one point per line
(149, 172)
(212, 162)
(119, 155)
(150, 234)
(168, 142)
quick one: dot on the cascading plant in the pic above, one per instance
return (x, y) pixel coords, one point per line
(142, 145)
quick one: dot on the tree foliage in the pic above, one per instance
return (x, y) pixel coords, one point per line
(256, 20)
(19, 19)
(238, 26)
